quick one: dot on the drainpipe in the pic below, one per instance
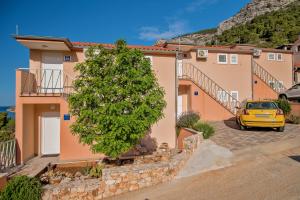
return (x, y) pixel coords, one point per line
(176, 94)
(252, 80)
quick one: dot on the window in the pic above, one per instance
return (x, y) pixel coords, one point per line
(151, 59)
(279, 57)
(235, 94)
(222, 96)
(67, 58)
(222, 58)
(233, 59)
(271, 56)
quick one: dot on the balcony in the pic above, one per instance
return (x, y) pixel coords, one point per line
(43, 82)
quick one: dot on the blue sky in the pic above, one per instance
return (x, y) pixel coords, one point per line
(137, 21)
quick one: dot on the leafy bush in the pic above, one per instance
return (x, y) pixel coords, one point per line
(116, 99)
(284, 105)
(3, 119)
(187, 120)
(294, 119)
(22, 188)
(96, 171)
(207, 129)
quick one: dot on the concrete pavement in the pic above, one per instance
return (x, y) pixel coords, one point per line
(266, 171)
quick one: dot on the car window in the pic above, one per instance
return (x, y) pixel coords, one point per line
(296, 86)
(261, 105)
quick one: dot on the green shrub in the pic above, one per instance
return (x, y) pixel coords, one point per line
(284, 105)
(294, 119)
(187, 120)
(22, 188)
(205, 128)
(96, 171)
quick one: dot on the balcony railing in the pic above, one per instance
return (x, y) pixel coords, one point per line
(45, 82)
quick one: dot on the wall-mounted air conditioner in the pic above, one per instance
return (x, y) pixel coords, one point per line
(257, 52)
(202, 53)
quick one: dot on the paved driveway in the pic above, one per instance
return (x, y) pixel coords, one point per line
(228, 135)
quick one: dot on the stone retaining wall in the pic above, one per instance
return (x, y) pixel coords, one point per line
(122, 179)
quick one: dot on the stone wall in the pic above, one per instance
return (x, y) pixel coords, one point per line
(122, 179)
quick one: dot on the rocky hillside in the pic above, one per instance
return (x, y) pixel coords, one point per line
(246, 14)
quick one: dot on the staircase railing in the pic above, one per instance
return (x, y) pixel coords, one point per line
(7, 154)
(266, 77)
(188, 71)
(45, 82)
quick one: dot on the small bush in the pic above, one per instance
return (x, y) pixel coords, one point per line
(96, 171)
(284, 105)
(187, 120)
(22, 188)
(207, 129)
(294, 119)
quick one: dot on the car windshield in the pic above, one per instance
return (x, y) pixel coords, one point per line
(261, 105)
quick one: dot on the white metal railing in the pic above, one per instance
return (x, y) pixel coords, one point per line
(266, 77)
(188, 71)
(45, 82)
(7, 154)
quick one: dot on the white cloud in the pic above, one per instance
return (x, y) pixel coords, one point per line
(174, 28)
(198, 4)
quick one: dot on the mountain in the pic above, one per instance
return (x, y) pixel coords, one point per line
(246, 15)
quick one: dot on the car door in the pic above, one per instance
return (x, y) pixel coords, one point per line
(294, 92)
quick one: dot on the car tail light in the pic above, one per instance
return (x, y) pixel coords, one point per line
(279, 112)
(245, 112)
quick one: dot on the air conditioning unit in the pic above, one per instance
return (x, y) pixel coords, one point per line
(201, 53)
(256, 52)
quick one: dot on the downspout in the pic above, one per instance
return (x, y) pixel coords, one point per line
(252, 80)
(176, 94)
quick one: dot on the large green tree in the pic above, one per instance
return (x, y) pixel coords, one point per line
(116, 99)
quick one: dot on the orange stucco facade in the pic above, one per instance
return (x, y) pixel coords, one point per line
(232, 76)
(30, 108)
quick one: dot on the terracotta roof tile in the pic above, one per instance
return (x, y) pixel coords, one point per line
(141, 47)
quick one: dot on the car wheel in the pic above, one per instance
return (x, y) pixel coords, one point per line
(283, 97)
(280, 129)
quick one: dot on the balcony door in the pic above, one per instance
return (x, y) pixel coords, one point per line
(52, 72)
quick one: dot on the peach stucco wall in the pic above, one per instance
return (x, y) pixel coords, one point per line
(70, 147)
(164, 130)
(208, 108)
(281, 70)
(261, 90)
(231, 77)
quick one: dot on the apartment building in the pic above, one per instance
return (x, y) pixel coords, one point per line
(42, 113)
(209, 80)
(214, 80)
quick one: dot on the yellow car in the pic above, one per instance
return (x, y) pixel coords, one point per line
(260, 114)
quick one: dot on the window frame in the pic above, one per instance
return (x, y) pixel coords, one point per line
(237, 94)
(237, 59)
(281, 56)
(150, 58)
(274, 54)
(218, 58)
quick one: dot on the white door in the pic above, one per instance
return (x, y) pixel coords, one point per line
(50, 133)
(52, 72)
(179, 105)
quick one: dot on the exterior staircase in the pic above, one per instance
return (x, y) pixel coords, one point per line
(187, 71)
(267, 78)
